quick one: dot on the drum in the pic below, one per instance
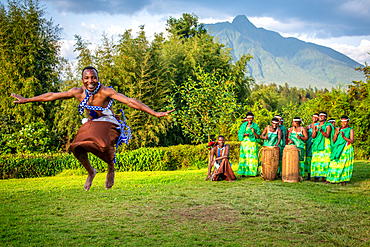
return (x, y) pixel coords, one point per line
(290, 167)
(270, 162)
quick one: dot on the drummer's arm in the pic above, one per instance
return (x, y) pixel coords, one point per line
(226, 153)
(280, 134)
(289, 140)
(305, 135)
(263, 135)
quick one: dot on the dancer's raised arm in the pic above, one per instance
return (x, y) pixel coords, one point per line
(134, 103)
(50, 96)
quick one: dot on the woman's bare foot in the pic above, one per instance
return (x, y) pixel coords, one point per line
(90, 178)
(109, 181)
(208, 177)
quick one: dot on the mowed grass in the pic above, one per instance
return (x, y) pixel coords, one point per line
(179, 208)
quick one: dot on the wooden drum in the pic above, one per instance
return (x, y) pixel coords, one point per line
(270, 162)
(290, 168)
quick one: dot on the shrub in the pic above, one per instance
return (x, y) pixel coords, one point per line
(143, 159)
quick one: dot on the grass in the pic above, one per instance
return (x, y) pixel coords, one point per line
(180, 208)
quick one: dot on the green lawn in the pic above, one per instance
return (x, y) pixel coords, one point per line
(180, 208)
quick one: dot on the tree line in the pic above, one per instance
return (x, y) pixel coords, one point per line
(187, 69)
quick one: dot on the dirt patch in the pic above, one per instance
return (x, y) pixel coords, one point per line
(202, 213)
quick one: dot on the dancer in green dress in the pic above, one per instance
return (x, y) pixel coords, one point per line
(322, 135)
(297, 135)
(309, 128)
(341, 165)
(249, 135)
(272, 134)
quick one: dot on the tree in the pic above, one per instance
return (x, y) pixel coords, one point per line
(142, 74)
(185, 27)
(28, 60)
(359, 94)
(208, 105)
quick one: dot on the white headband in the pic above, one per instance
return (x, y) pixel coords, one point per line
(297, 120)
(343, 120)
(332, 120)
(322, 114)
(315, 115)
(277, 116)
(249, 117)
(274, 122)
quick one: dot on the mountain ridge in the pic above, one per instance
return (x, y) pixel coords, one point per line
(281, 60)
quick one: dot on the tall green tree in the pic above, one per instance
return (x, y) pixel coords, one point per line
(29, 60)
(186, 26)
(142, 74)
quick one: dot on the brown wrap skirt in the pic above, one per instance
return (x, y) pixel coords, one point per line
(224, 172)
(97, 137)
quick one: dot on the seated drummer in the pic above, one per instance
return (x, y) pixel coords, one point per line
(219, 158)
(272, 134)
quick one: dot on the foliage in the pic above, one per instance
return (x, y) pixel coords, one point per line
(185, 27)
(28, 60)
(304, 111)
(208, 104)
(142, 74)
(275, 97)
(142, 159)
(31, 138)
(67, 118)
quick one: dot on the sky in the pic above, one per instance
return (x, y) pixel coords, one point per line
(343, 25)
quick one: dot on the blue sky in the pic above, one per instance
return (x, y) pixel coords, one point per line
(343, 25)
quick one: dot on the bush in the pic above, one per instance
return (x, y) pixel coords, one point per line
(31, 138)
(143, 159)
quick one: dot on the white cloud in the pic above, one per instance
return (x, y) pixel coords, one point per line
(135, 27)
(91, 32)
(66, 49)
(271, 24)
(359, 53)
(215, 20)
(115, 30)
(356, 47)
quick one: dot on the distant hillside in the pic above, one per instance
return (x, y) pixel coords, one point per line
(285, 60)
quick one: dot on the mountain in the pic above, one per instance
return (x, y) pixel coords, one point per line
(285, 60)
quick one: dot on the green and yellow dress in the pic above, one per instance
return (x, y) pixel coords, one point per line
(301, 147)
(307, 162)
(341, 164)
(248, 158)
(321, 150)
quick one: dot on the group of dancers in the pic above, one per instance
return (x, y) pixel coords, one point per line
(325, 151)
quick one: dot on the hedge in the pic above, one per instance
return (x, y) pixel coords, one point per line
(143, 159)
